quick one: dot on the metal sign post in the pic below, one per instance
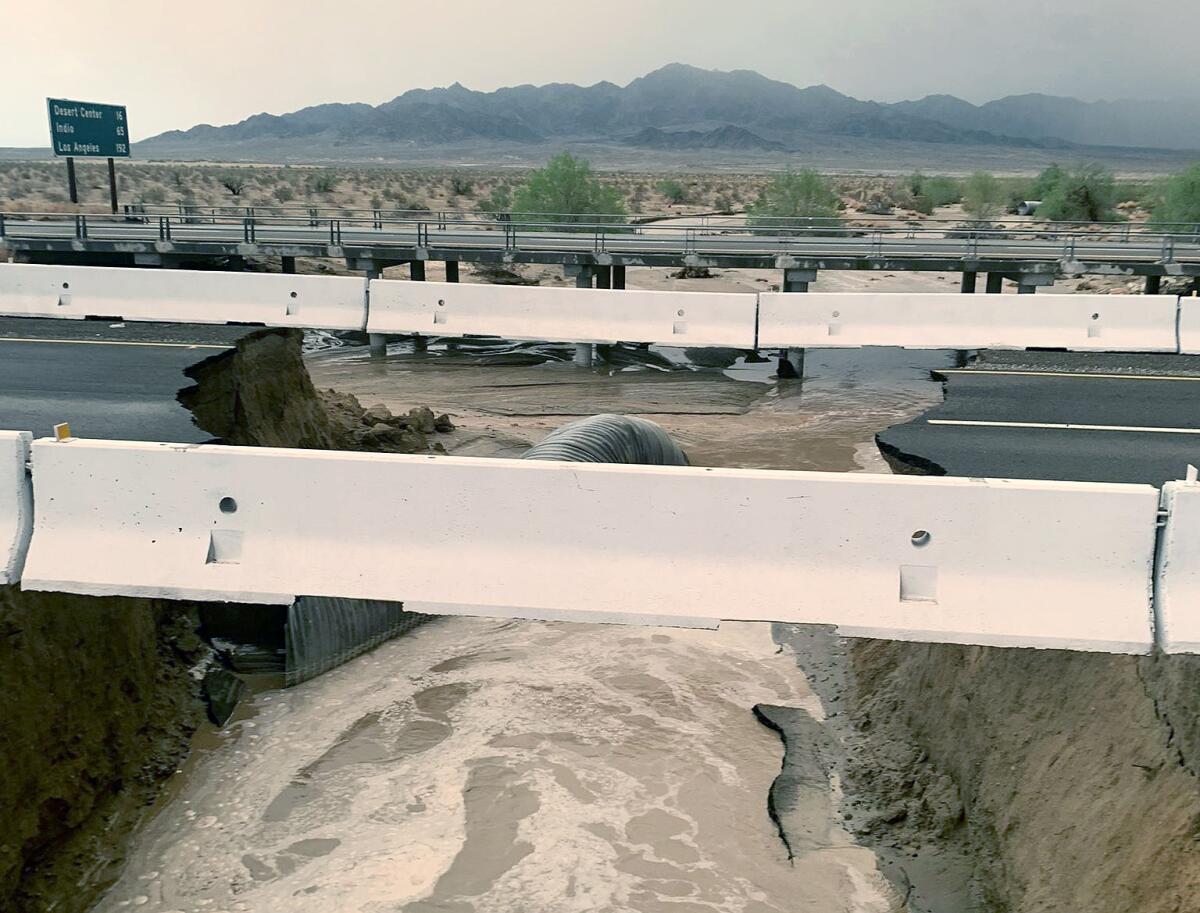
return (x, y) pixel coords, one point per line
(82, 129)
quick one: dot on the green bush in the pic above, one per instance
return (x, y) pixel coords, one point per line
(1179, 198)
(566, 187)
(1083, 194)
(795, 198)
(923, 204)
(323, 182)
(673, 191)
(1045, 183)
(983, 197)
(937, 191)
(499, 201)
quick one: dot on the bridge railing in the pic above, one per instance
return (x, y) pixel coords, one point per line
(1116, 230)
(377, 229)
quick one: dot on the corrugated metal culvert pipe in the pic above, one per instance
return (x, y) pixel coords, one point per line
(323, 633)
(610, 439)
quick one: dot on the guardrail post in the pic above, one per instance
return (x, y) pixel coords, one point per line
(81, 231)
(335, 232)
(248, 230)
(1, 225)
(377, 219)
(689, 241)
(1168, 248)
(164, 228)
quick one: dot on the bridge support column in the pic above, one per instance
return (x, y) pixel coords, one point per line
(1027, 283)
(585, 353)
(791, 363)
(618, 277)
(1153, 284)
(969, 279)
(416, 270)
(451, 270)
(377, 342)
(995, 283)
(603, 277)
(288, 265)
(583, 275)
(797, 280)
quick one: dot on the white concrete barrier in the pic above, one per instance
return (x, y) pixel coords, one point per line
(1189, 325)
(1008, 563)
(182, 296)
(1085, 323)
(562, 314)
(16, 503)
(1177, 576)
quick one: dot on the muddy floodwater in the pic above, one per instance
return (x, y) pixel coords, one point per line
(493, 765)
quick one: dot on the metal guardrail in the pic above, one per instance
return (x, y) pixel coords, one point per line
(377, 229)
(1124, 230)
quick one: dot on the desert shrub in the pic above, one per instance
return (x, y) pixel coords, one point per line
(1178, 198)
(323, 182)
(1045, 182)
(566, 185)
(499, 200)
(673, 191)
(233, 182)
(795, 199)
(1086, 194)
(283, 193)
(983, 197)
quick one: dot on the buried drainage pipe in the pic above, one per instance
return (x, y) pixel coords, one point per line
(610, 439)
(323, 632)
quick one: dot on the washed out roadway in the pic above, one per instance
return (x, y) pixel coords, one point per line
(106, 379)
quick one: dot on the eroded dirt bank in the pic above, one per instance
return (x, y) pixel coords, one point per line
(1076, 772)
(97, 708)
(98, 698)
(260, 394)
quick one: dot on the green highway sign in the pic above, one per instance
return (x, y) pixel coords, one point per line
(86, 130)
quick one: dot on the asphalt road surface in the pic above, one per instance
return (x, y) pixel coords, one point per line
(1080, 417)
(107, 380)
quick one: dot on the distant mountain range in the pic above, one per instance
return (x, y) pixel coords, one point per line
(680, 107)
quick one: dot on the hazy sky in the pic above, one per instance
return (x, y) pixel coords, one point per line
(177, 63)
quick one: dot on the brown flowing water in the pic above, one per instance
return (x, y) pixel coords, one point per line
(490, 765)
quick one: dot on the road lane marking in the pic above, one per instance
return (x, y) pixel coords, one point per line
(1060, 426)
(118, 342)
(1067, 374)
